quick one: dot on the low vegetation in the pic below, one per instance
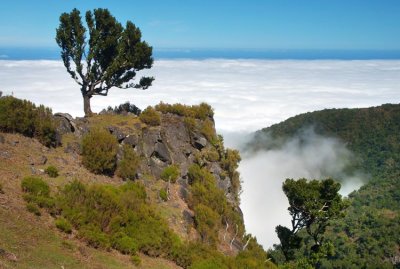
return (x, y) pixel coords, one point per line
(99, 151)
(201, 112)
(170, 173)
(51, 171)
(24, 117)
(127, 167)
(150, 116)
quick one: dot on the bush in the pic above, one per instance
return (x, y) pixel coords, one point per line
(124, 243)
(99, 151)
(202, 111)
(150, 116)
(33, 208)
(170, 173)
(35, 186)
(136, 260)
(127, 167)
(163, 195)
(22, 116)
(37, 192)
(208, 223)
(63, 225)
(208, 130)
(52, 171)
(95, 237)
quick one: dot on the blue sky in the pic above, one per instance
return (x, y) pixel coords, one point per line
(205, 24)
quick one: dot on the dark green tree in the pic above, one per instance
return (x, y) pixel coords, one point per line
(110, 57)
(313, 204)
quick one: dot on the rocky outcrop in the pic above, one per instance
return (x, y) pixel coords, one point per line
(157, 146)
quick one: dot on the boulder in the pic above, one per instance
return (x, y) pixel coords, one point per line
(199, 142)
(119, 135)
(66, 123)
(161, 152)
(2, 139)
(131, 140)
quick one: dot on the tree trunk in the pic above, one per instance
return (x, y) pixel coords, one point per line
(86, 105)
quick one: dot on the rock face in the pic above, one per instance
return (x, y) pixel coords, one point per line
(157, 146)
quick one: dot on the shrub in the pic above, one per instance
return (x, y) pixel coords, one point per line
(170, 173)
(124, 243)
(63, 225)
(202, 111)
(52, 171)
(129, 163)
(136, 260)
(35, 186)
(22, 116)
(208, 130)
(208, 223)
(150, 116)
(95, 237)
(33, 208)
(99, 151)
(37, 192)
(163, 195)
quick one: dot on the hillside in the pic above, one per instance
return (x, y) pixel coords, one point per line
(368, 236)
(118, 190)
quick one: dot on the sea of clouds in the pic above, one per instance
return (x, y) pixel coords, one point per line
(247, 95)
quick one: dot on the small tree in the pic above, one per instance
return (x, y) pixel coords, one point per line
(109, 58)
(313, 204)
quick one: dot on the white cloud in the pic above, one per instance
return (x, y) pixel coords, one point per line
(246, 94)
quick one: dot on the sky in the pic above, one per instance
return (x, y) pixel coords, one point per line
(209, 24)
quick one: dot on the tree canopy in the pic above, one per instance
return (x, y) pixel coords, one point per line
(313, 204)
(109, 57)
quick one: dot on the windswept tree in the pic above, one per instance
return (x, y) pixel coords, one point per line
(110, 57)
(313, 204)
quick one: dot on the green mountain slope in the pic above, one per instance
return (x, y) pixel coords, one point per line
(368, 237)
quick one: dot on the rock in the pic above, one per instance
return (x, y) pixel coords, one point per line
(14, 143)
(66, 123)
(161, 152)
(73, 147)
(2, 139)
(131, 140)
(117, 133)
(200, 142)
(8, 255)
(5, 154)
(42, 160)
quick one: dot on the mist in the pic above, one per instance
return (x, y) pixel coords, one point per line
(306, 155)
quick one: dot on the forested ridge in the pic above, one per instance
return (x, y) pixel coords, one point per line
(368, 236)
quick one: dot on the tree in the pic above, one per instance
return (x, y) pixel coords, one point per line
(313, 204)
(109, 58)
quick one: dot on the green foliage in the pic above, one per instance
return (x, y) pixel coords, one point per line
(163, 195)
(367, 236)
(124, 109)
(170, 173)
(201, 112)
(63, 225)
(313, 204)
(136, 260)
(107, 216)
(33, 208)
(37, 192)
(208, 223)
(52, 171)
(35, 186)
(110, 57)
(124, 243)
(22, 116)
(150, 116)
(208, 130)
(129, 163)
(230, 162)
(99, 151)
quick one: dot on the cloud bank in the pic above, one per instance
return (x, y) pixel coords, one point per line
(247, 95)
(306, 155)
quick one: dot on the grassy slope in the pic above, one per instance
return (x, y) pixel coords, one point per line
(35, 240)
